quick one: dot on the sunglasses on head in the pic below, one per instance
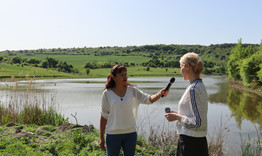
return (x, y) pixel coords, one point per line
(114, 70)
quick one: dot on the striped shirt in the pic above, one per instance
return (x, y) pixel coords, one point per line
(193, 107)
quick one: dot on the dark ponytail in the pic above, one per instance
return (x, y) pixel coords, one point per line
(110, 82)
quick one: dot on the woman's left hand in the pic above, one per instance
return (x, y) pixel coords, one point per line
(172, 116)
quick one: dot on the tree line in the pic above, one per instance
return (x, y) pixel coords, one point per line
(48, 63)
(215, 56)
(245, 64)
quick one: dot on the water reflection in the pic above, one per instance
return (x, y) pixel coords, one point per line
(245, 105)
(221, 95)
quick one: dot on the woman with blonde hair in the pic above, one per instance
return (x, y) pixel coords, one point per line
(192, 109)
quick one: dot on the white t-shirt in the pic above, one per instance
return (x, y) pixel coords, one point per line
(120, 114)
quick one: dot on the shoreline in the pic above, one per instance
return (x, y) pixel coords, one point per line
(9, 79)
(236, 85)
(233, 83)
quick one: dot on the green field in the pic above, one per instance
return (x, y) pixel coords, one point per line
(79, 61)
(7, 71)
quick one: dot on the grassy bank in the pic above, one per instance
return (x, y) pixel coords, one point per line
(67, 139)
(70, 139)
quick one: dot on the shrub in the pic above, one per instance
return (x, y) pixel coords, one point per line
(249, 69)
(87, 71)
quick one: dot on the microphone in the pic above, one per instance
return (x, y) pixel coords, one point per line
(172, 80)
(167, 110)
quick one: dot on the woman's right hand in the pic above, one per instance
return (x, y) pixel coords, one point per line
(102, 144)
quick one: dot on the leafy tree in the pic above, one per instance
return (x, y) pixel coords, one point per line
(259, 73)
(64, 67)
(16, 59)
(108, 64)
(132, 64)
(61, 66)
(33, 61)
(172, 63)
(126, 64)
(52, 63)
(154, 62)
(245, 64)
(45, 64)
(234, 62)
(209, 64)
(91, 65)
(249, 69)
(249, 51)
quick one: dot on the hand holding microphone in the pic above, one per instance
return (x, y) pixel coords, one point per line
(172, 115)
(172, 80)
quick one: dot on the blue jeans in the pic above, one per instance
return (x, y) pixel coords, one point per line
(114, 142)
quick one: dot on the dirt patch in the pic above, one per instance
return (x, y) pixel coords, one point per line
(66, 127)
(42, 133)
(23, 134)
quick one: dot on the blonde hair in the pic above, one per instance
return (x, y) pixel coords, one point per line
(194, 61)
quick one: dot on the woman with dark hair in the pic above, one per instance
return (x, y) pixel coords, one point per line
(192, 110)
(120, 102)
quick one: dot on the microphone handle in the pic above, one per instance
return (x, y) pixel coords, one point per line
(168, 86)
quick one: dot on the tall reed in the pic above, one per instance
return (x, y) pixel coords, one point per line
(162, 137)
(165, 138)
(165, 141)
(252, 146)
(30, 107)
(215, 145)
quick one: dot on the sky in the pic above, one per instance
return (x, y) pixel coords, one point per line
(36, 24)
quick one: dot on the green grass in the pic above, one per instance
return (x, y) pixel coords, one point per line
(79, 61)
(46, 140)
(8, 70)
